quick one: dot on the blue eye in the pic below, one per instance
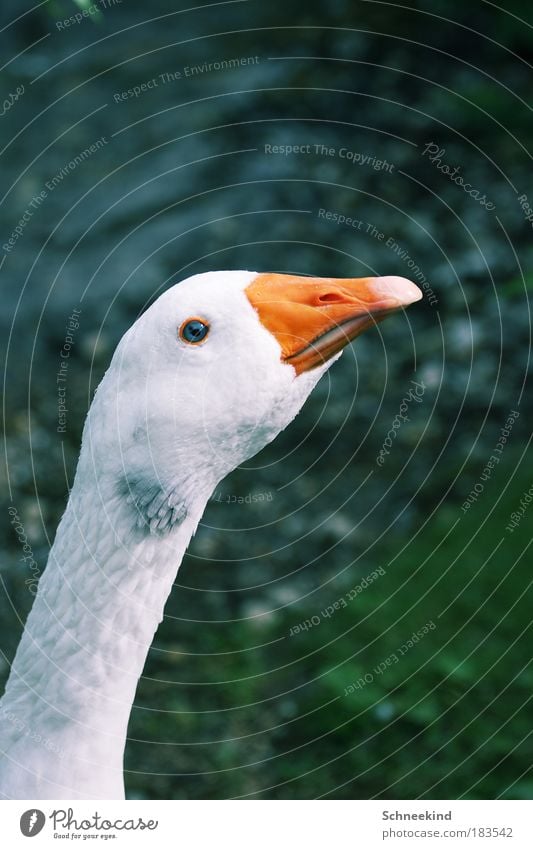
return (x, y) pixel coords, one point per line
(194, 330)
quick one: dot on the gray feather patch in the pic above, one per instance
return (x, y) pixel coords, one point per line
(156, 509)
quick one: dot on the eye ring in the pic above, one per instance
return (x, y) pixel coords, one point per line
(194, 330)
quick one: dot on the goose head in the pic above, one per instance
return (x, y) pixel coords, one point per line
(214, 370)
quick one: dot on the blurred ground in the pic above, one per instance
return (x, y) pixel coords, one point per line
(180, 180)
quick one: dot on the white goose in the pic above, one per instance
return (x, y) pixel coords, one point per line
(205, 378)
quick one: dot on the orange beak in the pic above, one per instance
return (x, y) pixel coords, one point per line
(313, 318)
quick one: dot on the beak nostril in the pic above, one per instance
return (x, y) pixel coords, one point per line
(330, 298)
